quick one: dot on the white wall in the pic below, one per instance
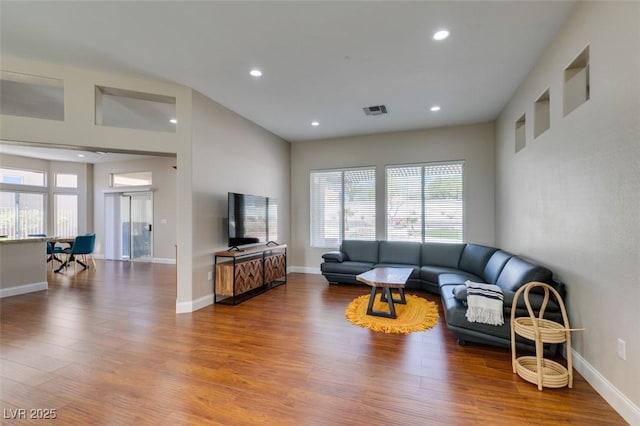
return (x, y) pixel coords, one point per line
(473, 143)
(230, 154)
(164, 201)
(78, 127)
(571, 198)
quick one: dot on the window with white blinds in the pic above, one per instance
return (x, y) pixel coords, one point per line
(425, 203)
(343, 206)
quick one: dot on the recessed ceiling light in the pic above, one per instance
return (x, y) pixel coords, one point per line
(435, 108)
(315, 123)
(255, 73)
(173, 120)
(81, 155)
(441, 35)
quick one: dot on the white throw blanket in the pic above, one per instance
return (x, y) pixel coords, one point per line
(484, 303)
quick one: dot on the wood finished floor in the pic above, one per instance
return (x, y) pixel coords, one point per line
(106, 348)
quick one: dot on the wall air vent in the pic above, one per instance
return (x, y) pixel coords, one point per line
(375, 110)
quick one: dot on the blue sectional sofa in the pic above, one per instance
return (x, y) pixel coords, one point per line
(443, 269)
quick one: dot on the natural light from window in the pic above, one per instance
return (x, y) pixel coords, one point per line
(22, 177)
(425, 203)
(66, 215)
(21, 214)
(130, 179)
(343, 206)
(64, 180)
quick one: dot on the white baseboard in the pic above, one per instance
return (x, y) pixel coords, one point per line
(194, 305)
(166, 260)
(23, 289)
(304, 269)
(623, 405)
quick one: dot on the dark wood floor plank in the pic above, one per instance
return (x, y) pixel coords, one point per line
(106, 347)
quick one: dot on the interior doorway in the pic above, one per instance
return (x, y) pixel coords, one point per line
(129, 226)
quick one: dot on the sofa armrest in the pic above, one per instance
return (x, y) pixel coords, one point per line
(334, 256)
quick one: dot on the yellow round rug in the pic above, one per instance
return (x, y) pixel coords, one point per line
(417, 315)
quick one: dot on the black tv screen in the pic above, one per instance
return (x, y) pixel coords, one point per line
(252, 219)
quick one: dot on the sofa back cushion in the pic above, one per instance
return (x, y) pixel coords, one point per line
(518, 272)
(474, 258)
(495, 265)
(407, 252)
(442, 254)
(360, 251)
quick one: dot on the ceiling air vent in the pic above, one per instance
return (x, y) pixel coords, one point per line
(375, 110)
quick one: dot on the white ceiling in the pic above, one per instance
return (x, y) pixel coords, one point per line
(322, 60)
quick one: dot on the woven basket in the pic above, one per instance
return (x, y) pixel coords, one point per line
(554, 375)
(550, 331)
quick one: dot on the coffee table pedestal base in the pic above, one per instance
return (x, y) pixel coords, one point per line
(386, 296)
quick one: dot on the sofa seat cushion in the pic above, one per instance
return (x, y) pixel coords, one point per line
(455, 313)
(431, 273)
(414, 275)
(460, 293)
(457, 278)
(346, 267)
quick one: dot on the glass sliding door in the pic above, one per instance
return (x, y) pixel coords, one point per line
(136, 215)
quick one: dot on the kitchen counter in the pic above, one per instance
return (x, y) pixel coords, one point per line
(23, 265)
(12, 240)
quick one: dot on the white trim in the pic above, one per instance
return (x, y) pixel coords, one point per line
(167, 260)
(123, 189)
(194, 305)
(304, 269)
(623, 405)
(23, 289)
(164, 260)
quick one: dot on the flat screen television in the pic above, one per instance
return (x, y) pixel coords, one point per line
(252, 219)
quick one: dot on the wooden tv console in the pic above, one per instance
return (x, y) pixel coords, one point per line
(240, 275)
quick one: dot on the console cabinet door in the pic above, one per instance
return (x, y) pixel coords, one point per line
(248, 275)
(275, 267)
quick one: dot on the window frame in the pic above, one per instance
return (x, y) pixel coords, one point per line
(423, 211)
(19, 232)
(113, 176)
(25, 187)
(64, 188)
(56, 212)
(341, 225)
